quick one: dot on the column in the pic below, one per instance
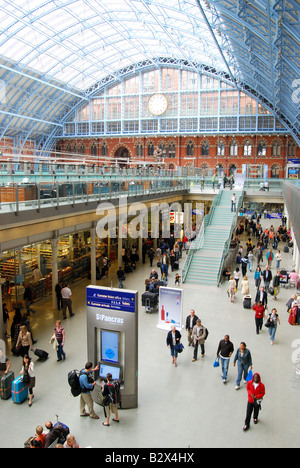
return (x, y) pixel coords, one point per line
(120, 248)
(93, 256)
(54, 245)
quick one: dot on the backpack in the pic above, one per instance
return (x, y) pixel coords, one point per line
(114, 392)
(73, 380)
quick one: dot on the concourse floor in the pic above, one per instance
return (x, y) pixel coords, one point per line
(187, 406)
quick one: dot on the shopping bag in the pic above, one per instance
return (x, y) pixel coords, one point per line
(250, 376)
(216, 363)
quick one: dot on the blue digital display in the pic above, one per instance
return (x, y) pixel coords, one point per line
(109, 346)
(110, 299)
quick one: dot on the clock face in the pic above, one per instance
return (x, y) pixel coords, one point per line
(158, 104)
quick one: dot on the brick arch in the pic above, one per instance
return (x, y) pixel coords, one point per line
(119, 146)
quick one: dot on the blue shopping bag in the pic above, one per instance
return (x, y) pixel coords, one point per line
(250, 376)
(216, 363)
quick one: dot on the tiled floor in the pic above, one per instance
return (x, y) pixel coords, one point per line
(187, 406)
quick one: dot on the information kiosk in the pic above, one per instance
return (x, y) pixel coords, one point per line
(112, 334)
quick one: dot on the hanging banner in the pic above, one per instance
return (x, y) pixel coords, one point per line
(170, 308)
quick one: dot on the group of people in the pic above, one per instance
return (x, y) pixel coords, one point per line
(197, 335)
(58, 436)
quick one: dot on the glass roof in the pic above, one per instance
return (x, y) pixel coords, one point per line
(79, 42)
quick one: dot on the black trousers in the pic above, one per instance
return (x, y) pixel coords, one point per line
(252, 407)
(259, 324)
(196, 349)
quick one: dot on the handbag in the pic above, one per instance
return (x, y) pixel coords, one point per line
(26, 378)
(179, 347)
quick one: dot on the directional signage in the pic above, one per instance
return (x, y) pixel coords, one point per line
(123, 301)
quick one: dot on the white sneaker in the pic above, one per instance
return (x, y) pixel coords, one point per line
(237, 387)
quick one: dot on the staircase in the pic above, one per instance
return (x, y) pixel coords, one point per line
(205, 260)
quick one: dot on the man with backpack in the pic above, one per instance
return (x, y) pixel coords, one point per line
(87, 385)
(110, 389)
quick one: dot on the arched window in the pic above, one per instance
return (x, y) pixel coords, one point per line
(139, 150)
(276, 149)
(68, 148)
(221, 148)
(151, 149)
(291, 149)
(205, 149)
(233, 148)
(104, 149)
(262, 149)
(247, 148)
(275, 169)
(172, 150)
(94, 150)
(75, 149)
(190, 149)
(82, 149)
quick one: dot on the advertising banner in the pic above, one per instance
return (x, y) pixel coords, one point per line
(170, 308)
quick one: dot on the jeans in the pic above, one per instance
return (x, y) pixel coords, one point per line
(225, 367)
(164, 269)
(272, 332)
(242, 369)
(60, 351)
(233, 206)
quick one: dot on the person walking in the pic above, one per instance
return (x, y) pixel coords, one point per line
(66, 295)
(259, 316)
(173, 339)
(233, 203)
(272, 322)
(270, 258)
(243, 359)
(232, 288)
(224, 353)
(278, 259)
(60, 336)
(267, 276)
(28, 376)
(262, 297)
(276, 285)
(24, 342)
(191, 321)
(121, 277)
(87, 385)
(28, 298)
(58, 289)
(256, 392)
(245, 286)
(199, 336)
(257, 277)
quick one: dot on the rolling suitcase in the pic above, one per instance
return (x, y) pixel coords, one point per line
(247, 302)
(43, 355)
(19, 392)
(149, 299)
(5, 385)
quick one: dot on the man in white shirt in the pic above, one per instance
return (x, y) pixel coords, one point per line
(66, 295)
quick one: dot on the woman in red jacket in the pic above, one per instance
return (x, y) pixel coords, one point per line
(256, 392)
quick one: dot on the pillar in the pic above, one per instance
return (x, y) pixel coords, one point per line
(93, 256)
(54, 245)
(120, 248)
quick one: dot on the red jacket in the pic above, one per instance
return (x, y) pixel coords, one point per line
(258, 392)
(259, 311)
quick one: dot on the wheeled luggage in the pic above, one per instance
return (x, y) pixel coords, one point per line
(19, 392)
(150, 299)
(43, 355)
(247, 302)
(5, 385)
(175, 266)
